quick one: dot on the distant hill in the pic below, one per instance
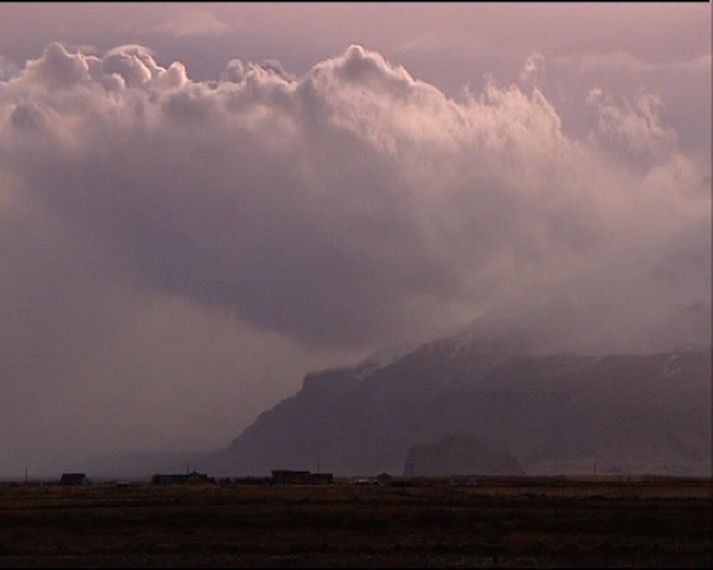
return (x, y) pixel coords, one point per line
(557, 413)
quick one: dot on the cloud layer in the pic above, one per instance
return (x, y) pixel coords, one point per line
(340, 209)
(324, 206)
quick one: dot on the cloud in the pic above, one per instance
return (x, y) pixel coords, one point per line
(625, 62)
(534, 68)
(7, 68)
(449, 41)
(634, 127)
(321, 206)
(193, 23)
(266, 217)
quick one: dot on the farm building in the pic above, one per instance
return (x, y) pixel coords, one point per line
(384, 479)
(73, 479)
(181, 479)
(285, 477)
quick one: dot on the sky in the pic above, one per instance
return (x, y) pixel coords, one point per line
(199, 203)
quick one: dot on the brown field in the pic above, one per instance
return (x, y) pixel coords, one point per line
(492, 523)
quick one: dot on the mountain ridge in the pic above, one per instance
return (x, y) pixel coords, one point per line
(554, 413)
(353, 423)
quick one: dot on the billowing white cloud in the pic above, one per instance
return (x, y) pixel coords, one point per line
(321, 206)
(634, 127)
(336, 210)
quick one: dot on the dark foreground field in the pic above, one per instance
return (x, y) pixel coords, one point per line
(490, 524)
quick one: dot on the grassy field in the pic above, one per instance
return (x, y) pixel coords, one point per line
(492, 523)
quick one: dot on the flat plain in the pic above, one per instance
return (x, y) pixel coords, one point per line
(456, 523)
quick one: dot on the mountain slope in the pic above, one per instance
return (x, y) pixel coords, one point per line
(458, 455)
(555, 414)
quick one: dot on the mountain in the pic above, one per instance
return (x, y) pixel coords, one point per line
(555, 413)
(458, 455)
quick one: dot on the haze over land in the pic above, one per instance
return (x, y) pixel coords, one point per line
(181, 241)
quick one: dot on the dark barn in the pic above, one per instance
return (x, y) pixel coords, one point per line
(286, 477)
(181, 479)
(73, 479)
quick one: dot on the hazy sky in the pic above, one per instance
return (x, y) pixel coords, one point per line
(199, 203)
